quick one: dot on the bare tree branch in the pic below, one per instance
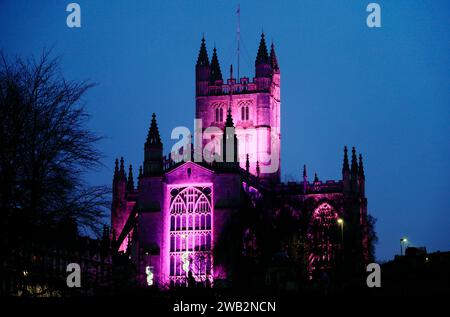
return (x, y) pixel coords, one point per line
(46, 148)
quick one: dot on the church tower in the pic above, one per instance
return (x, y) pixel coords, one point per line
(253, 104)
(175, 220)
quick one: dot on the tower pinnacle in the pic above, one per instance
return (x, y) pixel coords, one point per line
(346, 171)
(116, 169)
(263, 66)
(229, 121)
(273, 59)
(345, 166)
(354, 168)
(305, 180)
(361, 167)
(262, 56)
(229, 142)
(130, 181)
(153, 158)
(203, 59)
(122, 174)
(153, 137)
(247, 164)
(202, 70)
(216, 73)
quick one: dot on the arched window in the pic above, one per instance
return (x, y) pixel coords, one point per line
(208, 265)
(323, 239)
(208, 241)
(177, 265)
(190, 232)
(197, 222)
(177, 243)
(172, 223)
(197, 242)
(202, 243)
(172, 243)
(202, 222)
(219, 114)
(172, 266)
(177, 222)
(245, 113)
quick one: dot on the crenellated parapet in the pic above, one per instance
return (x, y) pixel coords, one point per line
(172, 218)
(254, 104)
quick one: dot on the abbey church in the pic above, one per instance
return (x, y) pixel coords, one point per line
(201, 221)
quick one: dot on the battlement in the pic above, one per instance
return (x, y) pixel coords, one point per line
(210, 82)
(244, 86)
(316, 187)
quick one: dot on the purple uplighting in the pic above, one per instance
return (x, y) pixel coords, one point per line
(172, 220)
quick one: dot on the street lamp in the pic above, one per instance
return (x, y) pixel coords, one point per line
(340, 221)
(402, 240)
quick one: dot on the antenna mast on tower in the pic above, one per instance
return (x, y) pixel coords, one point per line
(238, 40)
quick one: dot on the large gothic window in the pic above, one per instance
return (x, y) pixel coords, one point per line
(323, 240)
(190, 235)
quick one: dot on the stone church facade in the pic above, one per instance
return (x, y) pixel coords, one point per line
(171, 221)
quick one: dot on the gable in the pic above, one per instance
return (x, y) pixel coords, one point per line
(189, 172)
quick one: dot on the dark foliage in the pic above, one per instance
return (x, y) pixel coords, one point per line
(282, 228)
(45, 149)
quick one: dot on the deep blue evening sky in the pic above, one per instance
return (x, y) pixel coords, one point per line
(386, 91)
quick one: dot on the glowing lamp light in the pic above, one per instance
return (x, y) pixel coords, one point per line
(184, 258)
(340, 222)
(149, 272)
(402, 241)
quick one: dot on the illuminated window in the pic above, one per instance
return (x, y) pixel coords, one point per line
(149, 273)
(323, 239)
(190, 234)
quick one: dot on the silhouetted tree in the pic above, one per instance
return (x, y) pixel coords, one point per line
(45, 150)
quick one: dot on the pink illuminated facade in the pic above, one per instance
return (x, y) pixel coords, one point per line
(171, 221)
(254, 106)
(190, 233)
